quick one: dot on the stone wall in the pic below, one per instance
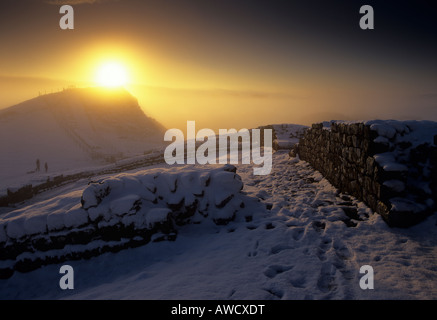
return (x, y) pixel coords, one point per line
(392, 166)
(122, 211)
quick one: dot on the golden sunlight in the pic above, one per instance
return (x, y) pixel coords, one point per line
(111, 74)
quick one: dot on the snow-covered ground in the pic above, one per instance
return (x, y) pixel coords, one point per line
(307, 242)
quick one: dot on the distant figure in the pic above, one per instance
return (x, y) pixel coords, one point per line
(46, 167)
(37, 165)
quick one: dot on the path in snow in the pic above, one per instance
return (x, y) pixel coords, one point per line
(309, 244)
(343, 234)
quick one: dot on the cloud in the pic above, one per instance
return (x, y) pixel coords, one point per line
(428, 96)
(251, 94)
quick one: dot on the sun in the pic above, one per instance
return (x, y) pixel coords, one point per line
(111, 75)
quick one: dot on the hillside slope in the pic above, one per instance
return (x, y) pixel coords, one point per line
(72, 129)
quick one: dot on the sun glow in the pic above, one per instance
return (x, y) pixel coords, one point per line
(111, 75)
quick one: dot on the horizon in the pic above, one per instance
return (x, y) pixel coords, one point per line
(121, 89)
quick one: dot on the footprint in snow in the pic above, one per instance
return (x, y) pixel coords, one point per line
(297, 233)
(321, 254)
(377, 258)
(263, 195)
(318, 226)
(275, 292)
(254, 252)
(273, 270)
(341, 250)
(278, 248)
(341, 266)
(298, 282)
(325, 245)
(327, 280)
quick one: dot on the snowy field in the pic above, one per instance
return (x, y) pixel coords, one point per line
(306, 241)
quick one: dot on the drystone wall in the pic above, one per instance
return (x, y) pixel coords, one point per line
(123, 211)
(390, 165)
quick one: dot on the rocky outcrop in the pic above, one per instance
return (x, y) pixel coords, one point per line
(390, 165)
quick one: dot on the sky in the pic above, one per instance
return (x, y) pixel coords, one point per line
(231, 63)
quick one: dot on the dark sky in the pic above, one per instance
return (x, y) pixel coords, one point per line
(304, 58)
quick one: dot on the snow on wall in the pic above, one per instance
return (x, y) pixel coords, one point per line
(125, 210)
(391, 165)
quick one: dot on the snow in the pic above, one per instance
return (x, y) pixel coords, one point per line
(382, 140)
(414, 131)
(15, 228)
(294, 236)
(401, 137)
(389, 163)
(118, 195)
(221, 183)
(124, 204)
(89, 197)
(157, 215)
(96, 245)
(395, 185)
(287, 135)
(55, 221)
(401, 204)
(49, 213)
(35, 225)
(75, 217)
(383, 130)
(299, 249)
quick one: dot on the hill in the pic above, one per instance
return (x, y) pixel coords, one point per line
(73, 129)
